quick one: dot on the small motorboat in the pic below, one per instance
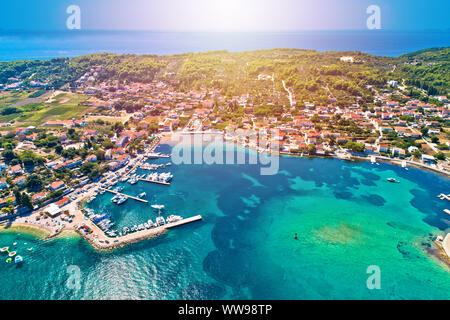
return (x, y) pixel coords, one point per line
(4, 249)
(18, 259)
(30, 249)
(393, 180)
(8, 260)
(12, 253)
(157, 206)
(142, 195)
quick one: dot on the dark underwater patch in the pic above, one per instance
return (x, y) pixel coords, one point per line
(406, 250)
(229, 266)
(374, 199)
(342, 194)
(368, 183)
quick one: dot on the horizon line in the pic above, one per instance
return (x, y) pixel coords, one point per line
(224, 31)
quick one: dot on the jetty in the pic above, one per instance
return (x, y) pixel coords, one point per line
(155, 181)
(103, 242)
(125, 195)
(184, 221)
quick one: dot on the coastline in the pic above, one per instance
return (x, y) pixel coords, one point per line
(39, 232)
(100, 242)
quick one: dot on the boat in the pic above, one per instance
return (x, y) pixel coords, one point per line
(122, 200)
(447, 211)
(157, 206)
(173, 218)
(8, 260)
(18, 259)
(146, 225)
(141, 195)
(160, 221)
(393, 180)
(151, 223)
(4, 249)
(12, 253)
(30, 249)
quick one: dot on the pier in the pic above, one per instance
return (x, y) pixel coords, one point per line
(125, 195)
(104, 242)
(154, 181)
(184, 221)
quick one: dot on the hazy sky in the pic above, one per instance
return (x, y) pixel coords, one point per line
(224, 15)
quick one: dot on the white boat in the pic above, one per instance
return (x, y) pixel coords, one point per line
(151, 223)
(173, 218)
(122, 200)
(142, 195)
(160, 221)
(157, 206)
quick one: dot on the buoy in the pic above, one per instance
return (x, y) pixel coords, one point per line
(295, 237)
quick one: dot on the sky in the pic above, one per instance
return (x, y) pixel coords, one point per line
(224, 15)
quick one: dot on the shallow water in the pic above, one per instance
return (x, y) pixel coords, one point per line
(347, 217)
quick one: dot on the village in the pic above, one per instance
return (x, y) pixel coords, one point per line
(51, 169)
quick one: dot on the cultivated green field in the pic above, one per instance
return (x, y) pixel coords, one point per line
(61, 106)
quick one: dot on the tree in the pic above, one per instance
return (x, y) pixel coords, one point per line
(17, 195)
(311, 148)
(25, 201)
(440, 156)
(33, 182)
(9, 155)
(434, 139)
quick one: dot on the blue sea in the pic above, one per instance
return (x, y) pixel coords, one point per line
(46, 45)
(346, 215)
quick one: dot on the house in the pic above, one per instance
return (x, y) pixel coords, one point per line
(19, 180)
(57, 185)
(63, 202)
(3, 184)
(38, 196)
(428, 159)
(17, 169)
(398, 152)
(383, 148)
(114, 165)
(91, 158)
(413, 149)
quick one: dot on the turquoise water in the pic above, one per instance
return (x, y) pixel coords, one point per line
(346, 215)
